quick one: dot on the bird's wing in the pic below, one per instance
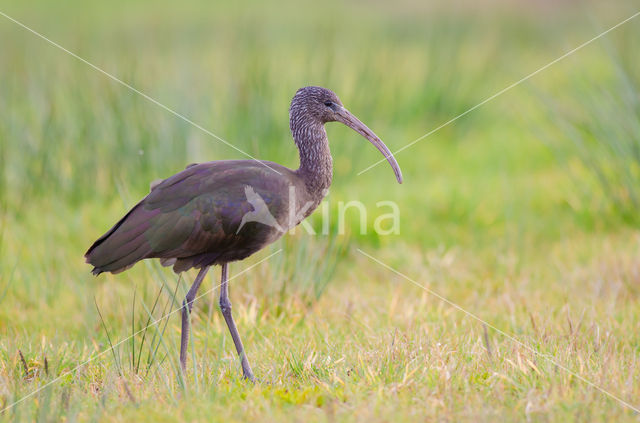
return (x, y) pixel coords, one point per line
(193, 212)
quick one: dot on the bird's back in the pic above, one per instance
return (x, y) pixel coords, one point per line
(194, 218)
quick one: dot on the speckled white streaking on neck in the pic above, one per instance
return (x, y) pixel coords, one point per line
(306, 120)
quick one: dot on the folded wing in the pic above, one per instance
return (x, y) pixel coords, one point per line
(191, 219)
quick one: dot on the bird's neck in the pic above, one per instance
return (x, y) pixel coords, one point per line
(316, 164)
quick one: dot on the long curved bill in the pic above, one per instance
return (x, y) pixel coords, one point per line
(354, 123)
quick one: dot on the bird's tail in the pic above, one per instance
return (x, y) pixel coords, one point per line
(123, 245)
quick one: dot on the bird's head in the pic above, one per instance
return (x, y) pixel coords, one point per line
(322, 105)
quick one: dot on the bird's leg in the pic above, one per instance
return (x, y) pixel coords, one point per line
(187, 304)
(225, 307)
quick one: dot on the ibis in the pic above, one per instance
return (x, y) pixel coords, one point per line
(223, 211)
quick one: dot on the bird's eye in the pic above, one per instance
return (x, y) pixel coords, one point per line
(328, 103)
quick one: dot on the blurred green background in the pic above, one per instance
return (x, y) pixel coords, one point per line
(545, 174)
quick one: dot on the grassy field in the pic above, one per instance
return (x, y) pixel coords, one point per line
(524, 212)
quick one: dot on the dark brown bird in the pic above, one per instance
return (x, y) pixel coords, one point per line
(223, 211)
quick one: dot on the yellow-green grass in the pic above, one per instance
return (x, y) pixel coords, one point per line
(503, 212)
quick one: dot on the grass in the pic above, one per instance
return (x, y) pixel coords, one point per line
(609, 146)
(523, 212)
